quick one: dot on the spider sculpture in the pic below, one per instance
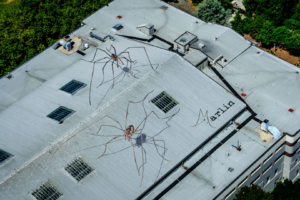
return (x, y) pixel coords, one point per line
(116, 60)
(128, 133)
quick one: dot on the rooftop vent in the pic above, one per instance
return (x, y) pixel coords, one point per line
(119, 17)
(148, 28)
(78, 169)
(201, 46)
(164, 102)
(60, 114)
(73, 86)
(164, 7)
(46, 192)
(291, 110)
(65, 42)
(243, 94)
(183, 40)
(4, 156)
(238, 146)
(117, 27)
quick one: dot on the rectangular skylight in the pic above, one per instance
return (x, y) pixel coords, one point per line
(73, 86)
(164, 102)
(60, 114)
(78, 169)
(46, 192)
(4, 156)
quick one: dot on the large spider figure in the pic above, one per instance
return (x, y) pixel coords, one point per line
(116, 60)
(128, 133)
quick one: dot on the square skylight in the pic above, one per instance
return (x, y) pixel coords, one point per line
(4, 156)
(61, 113)
(164, 102)
(46, 192)
(78, 169)
(73, 86)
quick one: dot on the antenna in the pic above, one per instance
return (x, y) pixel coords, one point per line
(238, 146)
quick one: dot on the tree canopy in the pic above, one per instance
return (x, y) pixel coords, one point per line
(286, 190)
(212, 11)
(30, 26)
(271, 21)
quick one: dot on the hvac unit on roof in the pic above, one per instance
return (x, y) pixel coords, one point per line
(148, 29)
(272, 129)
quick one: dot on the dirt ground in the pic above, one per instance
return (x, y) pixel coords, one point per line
(7, 2)
(185, 5)
(280, 52)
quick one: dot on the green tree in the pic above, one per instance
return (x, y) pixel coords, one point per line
(237, 23)
(293, 42)
(287, 190)
(253, 193)
(212, 11)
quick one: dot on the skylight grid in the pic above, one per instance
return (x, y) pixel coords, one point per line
(73, 86)
(46, 192)
(60, 113)
(78, 169)
(164, 102)
(4, 156)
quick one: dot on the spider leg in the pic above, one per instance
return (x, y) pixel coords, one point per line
(96, 54)
(101, 127)
(146, 55)
(127, 59)
(91, 84)
(155, 146)
(101, 59)
(114, 49)
(107, 144)
(156, 116)
(142, 160)
(103, 73)
(119, 58)
(83, 130)
(112, 68)
(134, 157)
(134, 102)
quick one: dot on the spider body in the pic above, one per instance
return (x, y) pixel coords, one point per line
(129, 132)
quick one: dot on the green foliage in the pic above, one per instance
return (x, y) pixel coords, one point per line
(237, 23)
(253, 193)
(282, 191)
(33, 25)
(287, 190)
(272, 21)
(196, 2)
(275, 11)
(212, 11)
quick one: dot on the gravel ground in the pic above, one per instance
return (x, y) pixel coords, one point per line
(184, 5)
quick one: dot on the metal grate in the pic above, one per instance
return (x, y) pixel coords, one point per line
(73, 86)
(164, 102)
(46, 192)
(78, 169)
(4, 156)
(61, 113)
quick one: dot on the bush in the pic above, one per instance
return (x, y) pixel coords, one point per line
(212, 11)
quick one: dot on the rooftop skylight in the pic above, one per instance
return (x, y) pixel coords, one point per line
(4, 156)
(46, 192)
(78, 169)
(61, 113)
(164, 102)
(73, 86)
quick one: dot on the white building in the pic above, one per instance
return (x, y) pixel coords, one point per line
(204, 140)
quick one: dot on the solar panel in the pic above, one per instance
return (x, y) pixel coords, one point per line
(78, 169)
(164, 102)
(73, 86)
(61, 113)
(46, 192)
(4, 156)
